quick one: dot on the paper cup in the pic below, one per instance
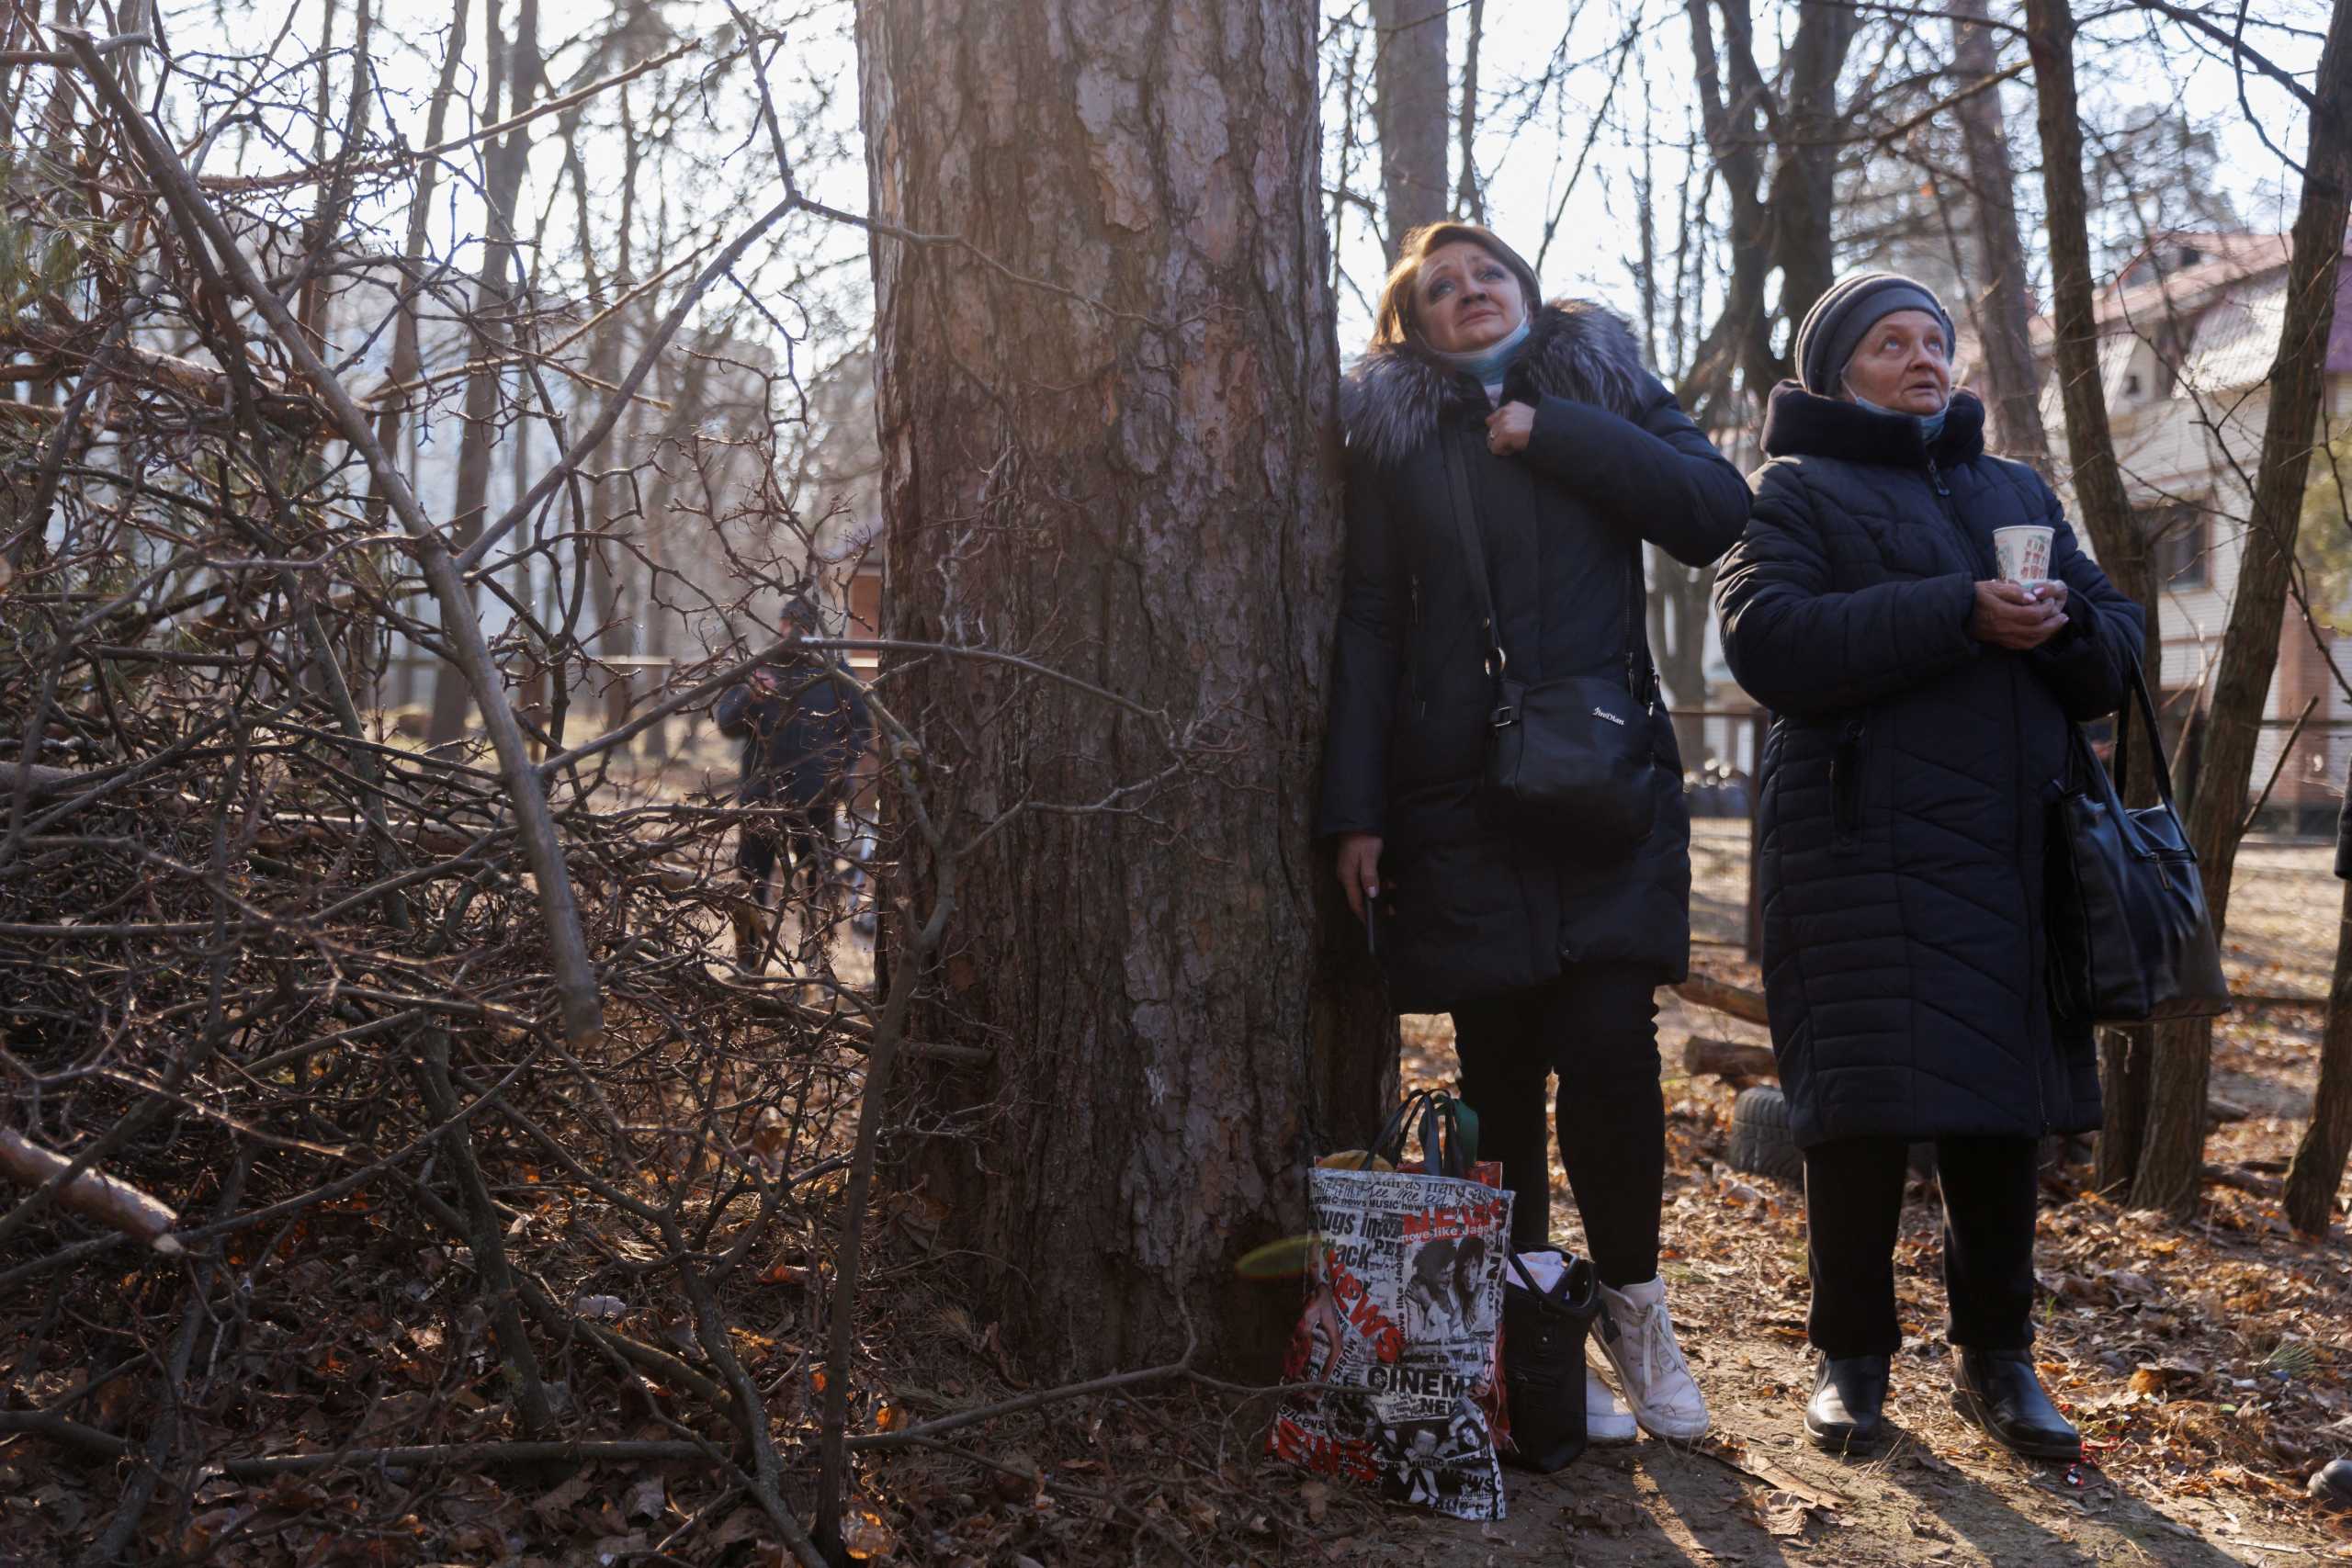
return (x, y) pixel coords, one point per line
(2024, 552)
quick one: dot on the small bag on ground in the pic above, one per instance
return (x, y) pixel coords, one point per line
(1547, 1315)
(1404, 1303)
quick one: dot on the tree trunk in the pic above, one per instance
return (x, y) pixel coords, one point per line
(2012, 384)
(1409, 112)
(1804, 192)
(1680, 609)
(1740, 339)
(1783, 223)
(1469, 196)
(2101, 506)
(1141, 488)
(2173, 1153)
(502, 180)
(2317, 1170)
(407, 365)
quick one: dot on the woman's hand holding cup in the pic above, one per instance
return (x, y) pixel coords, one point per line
(2026, 607)
(2016, 615)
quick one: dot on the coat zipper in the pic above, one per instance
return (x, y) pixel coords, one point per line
(2033, 954)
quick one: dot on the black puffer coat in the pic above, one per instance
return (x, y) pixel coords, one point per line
(1908, 774)
(1477, 910)
(801, 740)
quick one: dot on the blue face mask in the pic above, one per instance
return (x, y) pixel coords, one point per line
(1489, 365)
(1930, 424)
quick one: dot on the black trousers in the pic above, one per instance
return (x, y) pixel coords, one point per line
(1853, 1207)
(1596, 1026)
(759, 845)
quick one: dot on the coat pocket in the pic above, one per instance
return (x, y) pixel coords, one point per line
(1846, 786)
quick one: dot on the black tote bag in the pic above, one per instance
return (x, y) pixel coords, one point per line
(1544, 1340)
(2130, 940)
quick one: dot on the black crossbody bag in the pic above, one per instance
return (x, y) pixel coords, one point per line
(2130, 938)
(1570, 756)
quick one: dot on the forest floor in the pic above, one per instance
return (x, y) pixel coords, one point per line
(2209, 1364)
(2206, 1363)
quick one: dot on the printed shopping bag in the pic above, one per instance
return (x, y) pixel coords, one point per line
(1402, 1324)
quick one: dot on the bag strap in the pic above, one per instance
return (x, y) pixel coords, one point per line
(1445, 1141)
(1563, 1297)
(2108, 784)
(1473, 554)
(1395, 1133)
(2147, 708)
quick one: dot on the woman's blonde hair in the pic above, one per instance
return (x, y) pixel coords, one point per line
(1396, 324)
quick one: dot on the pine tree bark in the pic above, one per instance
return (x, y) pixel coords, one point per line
(2317, 1170)
(1141, 488)
(2102, 508)
(2012, 383)
(2173, 1153)
(1409, 79)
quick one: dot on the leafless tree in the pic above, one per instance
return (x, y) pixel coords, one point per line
(2172, 1154)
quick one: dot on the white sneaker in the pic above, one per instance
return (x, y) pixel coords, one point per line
(1606, 1418)
(1637, 1336)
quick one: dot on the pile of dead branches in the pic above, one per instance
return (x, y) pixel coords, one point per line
(369, 1110)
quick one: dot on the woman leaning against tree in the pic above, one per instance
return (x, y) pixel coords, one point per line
(1545, 946)
(1920, 734)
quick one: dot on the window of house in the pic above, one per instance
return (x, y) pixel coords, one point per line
(2180, 541)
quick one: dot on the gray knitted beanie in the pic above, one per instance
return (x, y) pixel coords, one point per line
(1846, 309)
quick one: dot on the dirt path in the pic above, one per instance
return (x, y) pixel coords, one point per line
(2205, 1362)
(1755, 1492)
(1939, 1494)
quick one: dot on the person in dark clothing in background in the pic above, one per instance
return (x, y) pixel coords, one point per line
(804, 725)
(1920, 734)
(1544, 945)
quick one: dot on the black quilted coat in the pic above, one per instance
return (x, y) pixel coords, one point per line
(1908, 774)
(1475, 909)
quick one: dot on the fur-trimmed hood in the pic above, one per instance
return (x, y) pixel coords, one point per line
(1391, 399)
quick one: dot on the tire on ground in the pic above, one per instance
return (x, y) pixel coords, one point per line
(1760, 1144)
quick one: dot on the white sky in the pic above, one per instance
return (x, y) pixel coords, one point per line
(728, 174)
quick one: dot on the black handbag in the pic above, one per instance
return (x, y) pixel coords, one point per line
(2130, 938)
(1573, 755)
(1543, 1338)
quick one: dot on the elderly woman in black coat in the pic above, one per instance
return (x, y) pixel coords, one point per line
(1920, 735)
(1536, 428)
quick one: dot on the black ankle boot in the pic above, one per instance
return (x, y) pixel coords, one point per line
(1848, 1393)
(1997, 1391)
